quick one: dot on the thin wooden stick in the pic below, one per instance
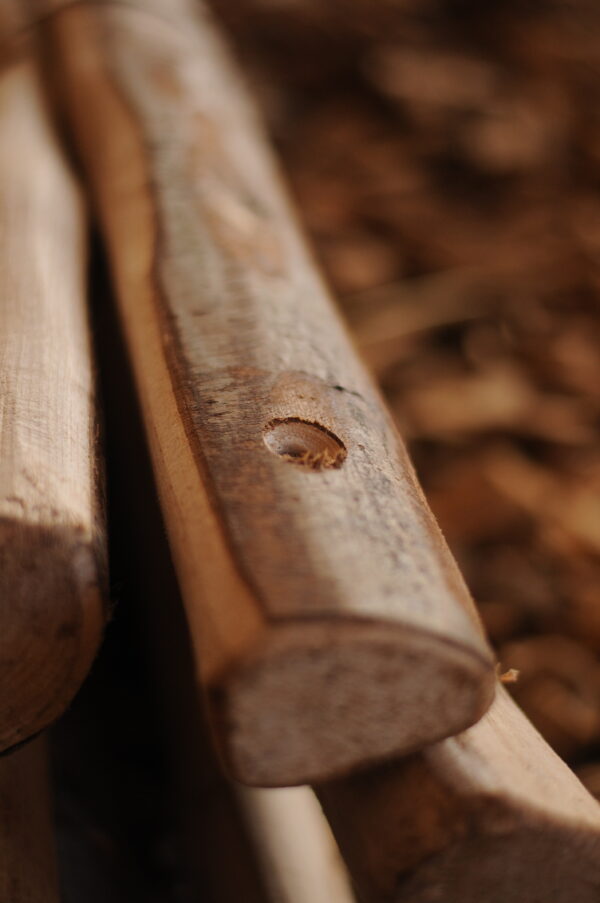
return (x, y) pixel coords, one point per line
(331, 625)
(51, 537)
(299, 859)
(28, 871)
(492, 814)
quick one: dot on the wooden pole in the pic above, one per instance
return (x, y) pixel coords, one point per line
(51, 532)
(330, 622)
(28, 871)
(492, 814)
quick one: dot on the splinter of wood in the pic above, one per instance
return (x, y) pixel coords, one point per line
(51, 538)
(330, 623)
(492, 814)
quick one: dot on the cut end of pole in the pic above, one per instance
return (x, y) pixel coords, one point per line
(51, 617)
(326, 699)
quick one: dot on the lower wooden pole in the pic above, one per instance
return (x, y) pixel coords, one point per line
(490, 815)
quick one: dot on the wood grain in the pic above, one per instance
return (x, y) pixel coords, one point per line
(51, 535)
(28, 871)
(330, 623)
(492, 814)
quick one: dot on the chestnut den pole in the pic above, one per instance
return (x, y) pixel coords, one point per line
(330, 623)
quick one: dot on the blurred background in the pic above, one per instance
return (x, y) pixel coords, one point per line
(444, 157)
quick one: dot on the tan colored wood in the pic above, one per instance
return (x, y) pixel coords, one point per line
(28, 871)
(51, 535)
(492, 814)
(331, 625)
(299, 859)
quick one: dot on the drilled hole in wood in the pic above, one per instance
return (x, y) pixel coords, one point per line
(307, 444)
